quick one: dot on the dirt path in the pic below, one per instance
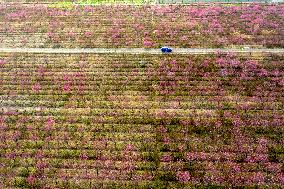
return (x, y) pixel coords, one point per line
(138, 50)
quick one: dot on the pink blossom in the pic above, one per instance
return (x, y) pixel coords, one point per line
(166, 140)
(174, 62)
(114, 36)
(183, 176)
(181, 147)
(129, 147)
(50, 122)
(185, 122)
(147, 43)
(39, 154)
(88, 34)
(81, 89)
(281, 178)
(184, 38)
(31, 179)
(137, 177)
(223, 72)
(263, 72)
(84, 156)
(251, 64)
(236, 168)
(71, 34)
(41, 165)
(11, 30)
(3, 125)
(50, 34)
(88, 9)
(128, 165)
(2, 62)
(67, 87)
(272, 167)
(258, 178)
(156, 31)
(161, 129)
(218, 124)
(202, 156)
(221, 61)
(191, 156)
(263, 141)
(36, 87)
(66, 78)
(166, 158)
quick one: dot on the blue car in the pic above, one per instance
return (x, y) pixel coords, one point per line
(166, 49)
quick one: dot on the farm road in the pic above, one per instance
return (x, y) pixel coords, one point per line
(139, 50)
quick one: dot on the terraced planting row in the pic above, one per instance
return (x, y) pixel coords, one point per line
(217, 25)
(147, 121)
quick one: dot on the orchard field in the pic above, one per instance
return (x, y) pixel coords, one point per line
(147, 26)
(92, 120)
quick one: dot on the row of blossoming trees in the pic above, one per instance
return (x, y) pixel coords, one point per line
(93, 121)
(142, 26)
